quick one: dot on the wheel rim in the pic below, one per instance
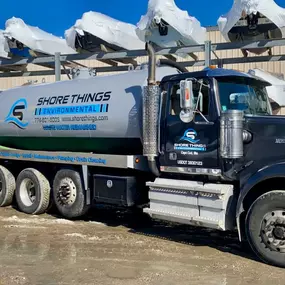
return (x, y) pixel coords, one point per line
(273, 230)
(27, 192)
(66, 195)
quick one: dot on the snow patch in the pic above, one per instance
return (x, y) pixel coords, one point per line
(85, 237)
(97, 223)
(24, 227)
(36, 221)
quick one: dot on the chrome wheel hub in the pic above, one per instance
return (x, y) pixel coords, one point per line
(27, 192)
(273, 230)
(67, 192)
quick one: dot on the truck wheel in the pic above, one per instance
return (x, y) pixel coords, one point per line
(7, 187)
(32, 192)
(265, 227)
(68, 194)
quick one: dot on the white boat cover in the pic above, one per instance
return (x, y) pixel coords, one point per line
(35, 38)
(183, 30)
(4, 47)
(107, 29)
(240, 8)
(276, 91)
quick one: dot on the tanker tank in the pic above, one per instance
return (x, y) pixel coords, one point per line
(101, 114)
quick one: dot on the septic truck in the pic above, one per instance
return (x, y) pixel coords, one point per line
(198, 148)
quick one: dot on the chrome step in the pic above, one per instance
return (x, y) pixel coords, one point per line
(193, 221)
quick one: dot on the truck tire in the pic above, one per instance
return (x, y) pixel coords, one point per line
(265, 227)
(69, 195)
(32, 192)
(7, 187)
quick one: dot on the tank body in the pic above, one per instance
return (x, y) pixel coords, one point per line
(101, 114)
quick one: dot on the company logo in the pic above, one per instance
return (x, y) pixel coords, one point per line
(16, 114)
(190, 136)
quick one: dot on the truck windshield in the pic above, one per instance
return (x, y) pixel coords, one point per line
(243, 94)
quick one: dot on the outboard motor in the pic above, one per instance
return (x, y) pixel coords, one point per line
(252, 21)
(162, 28)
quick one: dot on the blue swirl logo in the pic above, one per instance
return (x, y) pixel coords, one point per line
(190, 136)
(16, 114)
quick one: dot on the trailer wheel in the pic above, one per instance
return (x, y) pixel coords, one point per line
(265, 227)
(32, 192)
(69, 194)
(7, 187)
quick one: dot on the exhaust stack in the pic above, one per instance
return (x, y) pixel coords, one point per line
(151, 103)
(232, 134)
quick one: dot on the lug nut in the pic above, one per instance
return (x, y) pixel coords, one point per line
(269, 229)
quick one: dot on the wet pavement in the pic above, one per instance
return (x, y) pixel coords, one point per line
(111, 247)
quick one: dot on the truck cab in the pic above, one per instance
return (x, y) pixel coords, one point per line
(193, 147)
(222, 158)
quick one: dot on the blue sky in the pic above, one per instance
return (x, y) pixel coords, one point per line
(55, 16)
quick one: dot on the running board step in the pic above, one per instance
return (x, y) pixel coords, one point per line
(191, 202)
(193, 221)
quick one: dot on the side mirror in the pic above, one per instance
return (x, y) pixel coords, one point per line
(187, 103)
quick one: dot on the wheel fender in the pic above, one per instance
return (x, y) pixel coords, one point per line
(265, 173)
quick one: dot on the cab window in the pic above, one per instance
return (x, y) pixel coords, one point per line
(248, 96)
(203, 105)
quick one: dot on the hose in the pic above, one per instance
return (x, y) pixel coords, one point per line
(173, 64)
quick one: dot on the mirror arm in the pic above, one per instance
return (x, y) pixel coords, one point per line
(201, 105)
(188, 109)
(202, 116)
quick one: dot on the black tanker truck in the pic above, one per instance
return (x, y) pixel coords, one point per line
(199, 148)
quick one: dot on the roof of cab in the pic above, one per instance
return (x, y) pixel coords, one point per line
(209, 72)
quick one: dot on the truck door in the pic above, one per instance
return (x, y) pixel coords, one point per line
(195, 144)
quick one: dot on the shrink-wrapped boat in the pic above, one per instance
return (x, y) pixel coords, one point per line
(276, 91)
(4, 47)
(95, 32)
(25, 40)
(253, 20)
(167, 26)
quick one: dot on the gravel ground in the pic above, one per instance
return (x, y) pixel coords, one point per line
(117, 248)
